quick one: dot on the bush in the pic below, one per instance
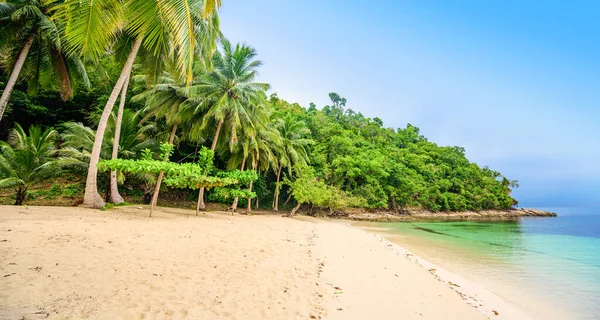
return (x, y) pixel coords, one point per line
(71, 191)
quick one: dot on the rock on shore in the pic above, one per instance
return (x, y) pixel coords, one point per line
(412, 214)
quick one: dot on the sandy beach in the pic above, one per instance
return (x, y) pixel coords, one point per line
(74, 263)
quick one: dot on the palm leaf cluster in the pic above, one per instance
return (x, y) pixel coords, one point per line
(27, 159)
(190, 89)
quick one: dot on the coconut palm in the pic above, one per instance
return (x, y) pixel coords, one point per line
(230, 97)
(262, 154)
(78, 139)
(29, 159)
(165, 28)
(32, 37)
(164, 100)
(293, 148)
(254, 151)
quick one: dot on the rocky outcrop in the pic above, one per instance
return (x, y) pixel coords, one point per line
(417, 214)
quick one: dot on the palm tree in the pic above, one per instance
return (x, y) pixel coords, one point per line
(165, 100)
(28, 26)
(262, 154)
(78, 139)
(114, 195)
(254, 152)
(230, 97)
(29, 159)
(164, 28)
(292, 149)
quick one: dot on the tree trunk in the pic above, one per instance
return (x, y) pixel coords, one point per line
(293, 212)
(249, 209)
(115, 197)
(288, 199)
(14, 75)
(162, 173)
(20, 197)
(201, 205)
(92, 199)
(236, 199)
(276, 207)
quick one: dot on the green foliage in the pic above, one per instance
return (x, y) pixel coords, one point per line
(109, 206)
(339, 157)
(385, 168)
(177, 175)
(30, 158)
(239, 188)
(307, 188)
(47, 64)
(73, 190)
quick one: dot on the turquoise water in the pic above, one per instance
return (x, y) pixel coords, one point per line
(548, 267)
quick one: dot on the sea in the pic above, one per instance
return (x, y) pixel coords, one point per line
(548, 267)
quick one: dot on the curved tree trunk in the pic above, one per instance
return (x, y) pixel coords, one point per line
(201, 205)
(91, 198)
(293, 212)
(162, 173)
(114, 196)
(276, 206)
(14, 75)
(288, 199)
(236, 199)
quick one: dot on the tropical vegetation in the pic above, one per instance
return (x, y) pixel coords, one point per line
(194, 122)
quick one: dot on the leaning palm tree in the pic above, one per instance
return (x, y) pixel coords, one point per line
(29, 27)
(230, 97)
(169, 27)
(29, 159)
(78, 139)
(293, 148)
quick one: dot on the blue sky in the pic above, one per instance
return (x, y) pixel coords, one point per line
(517, 83)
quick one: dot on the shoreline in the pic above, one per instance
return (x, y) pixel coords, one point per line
(80, 263)
(474, 294)
(420, 214)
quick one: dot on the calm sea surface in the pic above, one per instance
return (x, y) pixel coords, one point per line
(547, 267)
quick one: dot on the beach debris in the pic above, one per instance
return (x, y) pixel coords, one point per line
(338, 292)
(495, 312)
(338, 288)
(396, 275)
(453, 284)
(42, 312)
(4, 240)
(340, 309)
(37, 269)
(8, 275)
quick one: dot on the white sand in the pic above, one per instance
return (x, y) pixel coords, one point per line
(73, 263)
